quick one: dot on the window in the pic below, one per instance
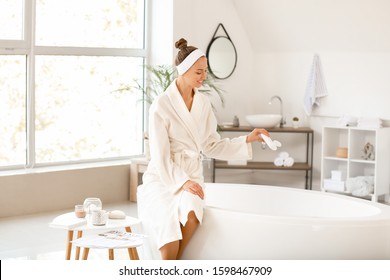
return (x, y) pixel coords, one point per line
(12, 109)
(90, 23)
(11, 16)
(59, 98)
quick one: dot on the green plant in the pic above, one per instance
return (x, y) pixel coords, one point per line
(295, 119)
(161, 76)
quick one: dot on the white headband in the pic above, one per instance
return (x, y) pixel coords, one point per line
(189, 61)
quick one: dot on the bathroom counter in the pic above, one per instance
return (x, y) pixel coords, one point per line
(306, 166)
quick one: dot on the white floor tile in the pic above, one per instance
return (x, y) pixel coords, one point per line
(31, 238)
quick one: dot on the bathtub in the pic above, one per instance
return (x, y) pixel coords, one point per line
(266, 222)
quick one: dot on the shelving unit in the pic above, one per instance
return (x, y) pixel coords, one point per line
(306, 166)
(354, 139)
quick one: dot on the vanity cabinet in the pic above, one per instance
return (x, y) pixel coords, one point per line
(306, 166)
(354, 164)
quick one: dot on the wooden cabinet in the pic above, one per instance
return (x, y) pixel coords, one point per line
(306, 166)
(352, 141)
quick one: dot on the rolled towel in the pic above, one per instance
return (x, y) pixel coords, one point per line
(283, 155)
(278, 161)
(360, 185)
(289, 162)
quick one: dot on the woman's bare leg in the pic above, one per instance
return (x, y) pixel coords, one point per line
(187, 231)
(174, 250)
(170, 250)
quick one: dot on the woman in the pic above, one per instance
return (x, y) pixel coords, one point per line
(182, 128)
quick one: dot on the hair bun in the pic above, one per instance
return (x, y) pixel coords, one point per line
(181, 44)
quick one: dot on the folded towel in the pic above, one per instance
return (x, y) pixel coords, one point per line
(288, 162)
(278, 161)
(316, 87)
(360, 185)
(334, 185)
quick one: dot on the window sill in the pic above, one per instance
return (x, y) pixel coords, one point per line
(76, 166)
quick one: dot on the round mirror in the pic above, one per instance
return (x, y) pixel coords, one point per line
(222, 57)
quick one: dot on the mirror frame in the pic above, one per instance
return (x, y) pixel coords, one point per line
(208, 54)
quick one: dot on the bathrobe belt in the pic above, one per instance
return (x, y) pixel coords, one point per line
(187, 154)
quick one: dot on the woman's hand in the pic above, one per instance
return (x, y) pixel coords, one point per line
(194, 188)
(255, 135)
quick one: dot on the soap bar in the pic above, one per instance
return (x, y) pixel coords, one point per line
(117, 214)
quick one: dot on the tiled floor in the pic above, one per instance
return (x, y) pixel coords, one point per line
(31, 238)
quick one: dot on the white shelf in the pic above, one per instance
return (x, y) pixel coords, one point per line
(362, 161)
(336, 158)
(354, 139)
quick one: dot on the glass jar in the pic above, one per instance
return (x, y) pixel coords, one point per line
(91, 204)
(79, 211)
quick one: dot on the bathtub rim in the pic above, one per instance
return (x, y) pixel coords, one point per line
(383, 216)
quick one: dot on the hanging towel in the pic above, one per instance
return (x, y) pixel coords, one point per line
(316, 87)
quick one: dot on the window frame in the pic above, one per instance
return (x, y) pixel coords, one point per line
(27, 47)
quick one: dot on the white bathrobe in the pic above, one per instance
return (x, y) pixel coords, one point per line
(178, 139)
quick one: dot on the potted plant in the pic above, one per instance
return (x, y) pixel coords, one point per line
(161, 76)
(295, 122)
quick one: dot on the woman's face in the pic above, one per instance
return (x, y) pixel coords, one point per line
(197, 73)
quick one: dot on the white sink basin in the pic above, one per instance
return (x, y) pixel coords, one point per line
(264, 120)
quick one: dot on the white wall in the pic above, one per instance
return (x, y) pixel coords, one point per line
(350, 36)
(160, 22)
(197, 21)
(40, 191)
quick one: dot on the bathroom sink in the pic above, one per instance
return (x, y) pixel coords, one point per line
(264, 120)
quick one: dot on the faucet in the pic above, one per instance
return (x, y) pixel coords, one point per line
(282, 120)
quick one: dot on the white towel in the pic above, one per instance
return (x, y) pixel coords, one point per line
(278, 161)
(283, 155)
(361, 185)
(288, 162)
(281, 161)
(316, 87)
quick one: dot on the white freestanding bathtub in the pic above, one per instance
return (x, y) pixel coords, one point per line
(266, 222)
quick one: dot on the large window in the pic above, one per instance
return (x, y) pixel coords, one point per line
(61, 65)
(12, 110)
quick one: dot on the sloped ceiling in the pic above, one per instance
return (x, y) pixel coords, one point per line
(316, 25)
